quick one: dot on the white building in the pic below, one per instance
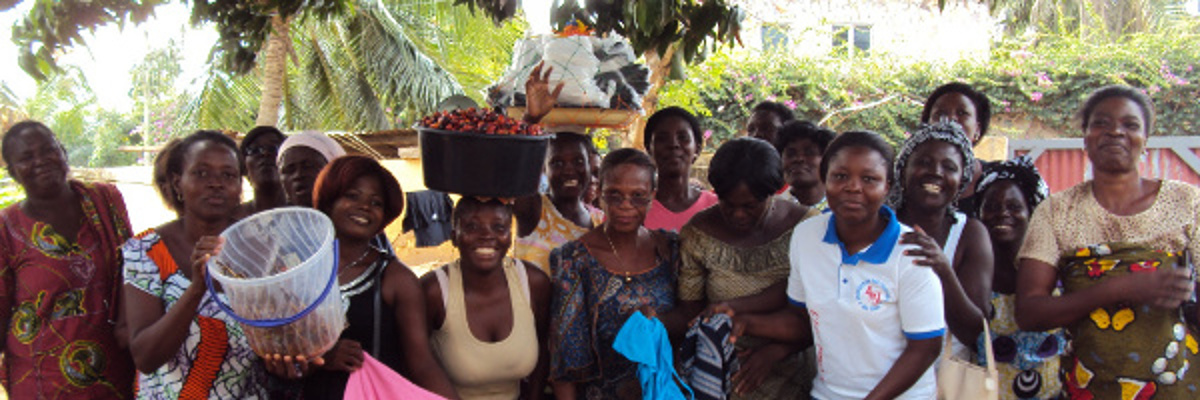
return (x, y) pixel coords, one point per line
(905, 29)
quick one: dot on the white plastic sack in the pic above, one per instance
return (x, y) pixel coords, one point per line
(575, 65)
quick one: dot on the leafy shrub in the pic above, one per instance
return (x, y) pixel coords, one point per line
(1043, 80)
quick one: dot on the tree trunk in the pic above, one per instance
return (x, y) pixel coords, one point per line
(274, 70)
(660, 67)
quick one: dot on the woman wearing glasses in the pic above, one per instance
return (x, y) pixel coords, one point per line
(602, 277)
(258, 150)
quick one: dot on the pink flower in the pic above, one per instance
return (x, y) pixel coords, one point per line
(708, 133)
(1035, 96)
(771, 98)
(791, 105)
(1154, 89)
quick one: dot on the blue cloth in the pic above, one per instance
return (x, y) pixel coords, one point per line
(644, 341)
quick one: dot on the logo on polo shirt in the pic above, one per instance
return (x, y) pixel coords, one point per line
(871, 293)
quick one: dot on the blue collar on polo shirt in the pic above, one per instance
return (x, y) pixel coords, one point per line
(879, 251)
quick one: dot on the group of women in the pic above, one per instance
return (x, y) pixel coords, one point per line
(840, 268)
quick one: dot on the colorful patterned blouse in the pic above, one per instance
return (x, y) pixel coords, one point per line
(58, 298)
(215, 361)
(589, 307)
(553, 230)
(1027, 361)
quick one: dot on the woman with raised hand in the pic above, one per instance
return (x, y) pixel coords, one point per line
(60, 276)
(873, 314)
(933, 169)
(181, 342)
(1123, 247)
(1028, 361)
(673, 138)
(735, 254)
(604, 276)
(385, 305)
(488, 312)
(972, 110)
(546, 221)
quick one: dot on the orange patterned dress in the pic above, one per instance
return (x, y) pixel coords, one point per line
(215, 361)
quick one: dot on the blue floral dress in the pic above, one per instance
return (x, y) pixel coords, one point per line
(589, 307)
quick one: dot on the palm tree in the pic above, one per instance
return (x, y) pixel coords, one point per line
(1092, 19)
(379, 66)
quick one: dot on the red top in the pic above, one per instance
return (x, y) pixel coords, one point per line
(58, 300)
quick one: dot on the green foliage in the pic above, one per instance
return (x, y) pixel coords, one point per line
(64, 102)
(1043, 82)
(113, 130)
(475, 51)
(653, 25)
(53, 25)
(10, 191)
(380, 66)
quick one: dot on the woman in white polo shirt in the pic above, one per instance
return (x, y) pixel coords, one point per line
(871, 310)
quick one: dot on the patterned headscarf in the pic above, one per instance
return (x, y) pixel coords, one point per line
(949, 132)
(1022, 172)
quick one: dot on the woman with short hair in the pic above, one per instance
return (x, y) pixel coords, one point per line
(1123, 247)
(60, 277)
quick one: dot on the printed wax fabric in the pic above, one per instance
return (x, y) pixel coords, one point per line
(552, 230)
(715, 271)
(1028, 362)
(590, 304)
(58, 296)
(1126, 351)
(215, 360)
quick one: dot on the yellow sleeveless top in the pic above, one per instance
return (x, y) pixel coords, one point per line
(481, 370)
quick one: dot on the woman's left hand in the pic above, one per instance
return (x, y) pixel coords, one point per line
(928, 253)
(291, 367)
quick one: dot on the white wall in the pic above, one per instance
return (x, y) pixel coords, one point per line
(907, 29)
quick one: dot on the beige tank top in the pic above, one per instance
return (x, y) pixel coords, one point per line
(481, 370)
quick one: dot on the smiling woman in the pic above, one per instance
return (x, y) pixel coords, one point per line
(489, 312)
(1123, 248)
(934, 168)
(386, 308)
(60, 272)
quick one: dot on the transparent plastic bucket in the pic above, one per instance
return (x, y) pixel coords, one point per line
(278, 270)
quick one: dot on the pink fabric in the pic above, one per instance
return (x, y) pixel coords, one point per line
(660, 217)
(375, 381)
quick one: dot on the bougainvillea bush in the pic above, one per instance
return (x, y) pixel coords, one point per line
(1042, 79)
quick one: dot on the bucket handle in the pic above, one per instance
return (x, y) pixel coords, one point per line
(276, 322)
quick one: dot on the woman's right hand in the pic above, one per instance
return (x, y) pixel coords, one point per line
(1164, 288)
(206, 248)
(346, 355)
(539, 99)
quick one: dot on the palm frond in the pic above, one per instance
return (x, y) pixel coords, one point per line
(222, 101)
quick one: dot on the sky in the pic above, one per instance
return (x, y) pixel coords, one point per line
(111, 52)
